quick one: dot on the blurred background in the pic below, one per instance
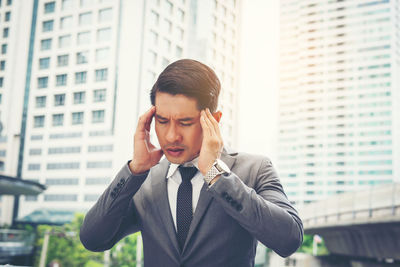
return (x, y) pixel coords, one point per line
(312, 84)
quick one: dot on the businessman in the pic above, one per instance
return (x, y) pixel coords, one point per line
(202, 205)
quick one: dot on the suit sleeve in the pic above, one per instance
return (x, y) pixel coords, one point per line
(114, 215)
(264, 211)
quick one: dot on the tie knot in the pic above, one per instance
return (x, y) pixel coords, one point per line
(187, 173)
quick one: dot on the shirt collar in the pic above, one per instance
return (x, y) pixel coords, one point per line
(173, 167)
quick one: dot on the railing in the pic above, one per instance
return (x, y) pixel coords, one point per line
(378, 204)
(15, 243)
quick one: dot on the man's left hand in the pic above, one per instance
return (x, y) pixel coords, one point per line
(212, 144)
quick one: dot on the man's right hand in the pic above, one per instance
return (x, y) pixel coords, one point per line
(145, 155)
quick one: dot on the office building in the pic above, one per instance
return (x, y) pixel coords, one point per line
(339, 96)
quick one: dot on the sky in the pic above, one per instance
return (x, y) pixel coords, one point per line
(258, 98)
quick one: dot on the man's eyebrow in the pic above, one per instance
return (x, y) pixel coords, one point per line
(181, 120)
(160, 117)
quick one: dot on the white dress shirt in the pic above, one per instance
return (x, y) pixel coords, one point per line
(174, 179)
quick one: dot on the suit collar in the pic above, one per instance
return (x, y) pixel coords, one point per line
(160, 198)
(205, 197)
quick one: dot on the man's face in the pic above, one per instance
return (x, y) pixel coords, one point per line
(177, 124)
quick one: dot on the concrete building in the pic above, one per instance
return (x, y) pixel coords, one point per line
(15, 21)
(339, 96)
(90, 67)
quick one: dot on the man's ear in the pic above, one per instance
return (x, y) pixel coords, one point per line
(217, 115)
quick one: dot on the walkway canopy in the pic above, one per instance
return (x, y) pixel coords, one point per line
(14, 186)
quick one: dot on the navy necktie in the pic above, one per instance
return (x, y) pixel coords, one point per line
(184, 208)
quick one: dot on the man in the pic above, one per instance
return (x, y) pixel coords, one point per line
(202, 205)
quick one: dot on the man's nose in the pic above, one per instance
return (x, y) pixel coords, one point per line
(173, 135)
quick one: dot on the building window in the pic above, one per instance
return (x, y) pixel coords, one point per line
(99, 95)
(63, 165)
(79, 98)
(64, 150)
(85, 3)
(49, 7)
(101, 75)
(35, 151)
(80, 77)
(178, 51)
(4, 49)
(154, 18)
(96, 180)
(153, 38)
(48, 25)
(34, 167)
(77, 118)
(66, 22)
(41, 101)
(91, 197)
(82, 57)
(83, 38)
(2, 65)
(62, 60)
(59, 100)
(62, 181)
(61, 197)
(100, 148)
(5, 32)
(104, 35)
(38, 121)
(98, 164)
(1, 82)
(61, 80)
(9, 2)
(58, 119)
(45, 44)
(66, 4)
(64, 41)
(42, 82)
(97, 116)
(44, 63)
(105, 15)
(102, 54)
(181, 15)
(85, 19)
(7, 16)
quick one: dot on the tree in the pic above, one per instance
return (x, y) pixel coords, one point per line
(64, 245)
(124, 253)
(307, 246)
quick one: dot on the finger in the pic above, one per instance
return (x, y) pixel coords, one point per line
(204, 124)
(213, 122)
(150, 117)
(209, 124)
(145, 120)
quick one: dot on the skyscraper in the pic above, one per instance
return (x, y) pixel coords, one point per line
(15, 21)
(339, 126)
(90, 68)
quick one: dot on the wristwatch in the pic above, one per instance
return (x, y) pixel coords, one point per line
(218, 167)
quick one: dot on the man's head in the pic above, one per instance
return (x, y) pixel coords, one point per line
(192, 79)
(181, 91)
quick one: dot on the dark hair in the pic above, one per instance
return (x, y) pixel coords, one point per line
(192, 79)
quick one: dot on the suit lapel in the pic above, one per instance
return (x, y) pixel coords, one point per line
(205, 199)
(160, 198)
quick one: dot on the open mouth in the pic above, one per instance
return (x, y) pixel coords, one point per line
(175, 152)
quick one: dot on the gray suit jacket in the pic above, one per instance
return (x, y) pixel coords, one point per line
(240, 208)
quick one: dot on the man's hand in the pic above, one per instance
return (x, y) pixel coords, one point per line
(212, 141)
(146, 155)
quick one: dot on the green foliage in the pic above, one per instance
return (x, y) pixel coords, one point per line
(307, 246)
(64, 245)
(124, 253)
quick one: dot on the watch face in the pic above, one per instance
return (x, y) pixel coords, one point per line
(221, 166)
